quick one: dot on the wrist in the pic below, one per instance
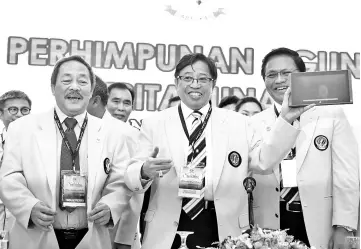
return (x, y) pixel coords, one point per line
(286, 118)
(347, 228)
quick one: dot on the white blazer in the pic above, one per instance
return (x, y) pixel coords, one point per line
(230, 132)
(126, 231)
(28, 175)
(328, 180)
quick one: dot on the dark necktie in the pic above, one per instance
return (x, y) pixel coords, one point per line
(194, 206)
(66, 158)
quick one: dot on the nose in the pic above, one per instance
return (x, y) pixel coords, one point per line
(19, 114)
(195, 84)
(74, 84)
(121, 106)
(280, 78)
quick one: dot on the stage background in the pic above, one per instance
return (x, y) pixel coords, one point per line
(139, 41)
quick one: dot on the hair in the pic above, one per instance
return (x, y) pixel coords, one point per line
(283, 51)
(13, 94)
(100, 90)
(228, 100)
(77, 58)
(173, 99)
(247, 100)
(121, 85)
(190, 59)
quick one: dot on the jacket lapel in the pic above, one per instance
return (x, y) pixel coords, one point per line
(308, 124)
(95, 145)
(219, 144)
(46, 139)
(176, 138)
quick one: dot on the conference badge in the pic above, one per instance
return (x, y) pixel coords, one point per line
(321, 142)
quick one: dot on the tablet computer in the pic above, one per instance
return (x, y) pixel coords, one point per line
(321, 88)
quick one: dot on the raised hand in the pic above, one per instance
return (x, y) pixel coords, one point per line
(154, 166)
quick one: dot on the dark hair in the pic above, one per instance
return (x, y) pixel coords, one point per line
(13, 94)
(283, 51)
(247, 100)
(173, 99)
(77, 58)
(121, 85)
(100, 90)
(228, 100)
(190, 59)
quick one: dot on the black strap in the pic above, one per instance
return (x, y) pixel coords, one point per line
(74, 154)
(200, 131)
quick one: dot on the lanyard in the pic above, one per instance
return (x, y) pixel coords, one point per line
(74, 154)
(203, 127)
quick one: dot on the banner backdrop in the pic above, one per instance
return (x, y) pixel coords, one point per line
(140, 43)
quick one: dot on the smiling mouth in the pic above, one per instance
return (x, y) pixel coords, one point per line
(195, 94)
(281, 88)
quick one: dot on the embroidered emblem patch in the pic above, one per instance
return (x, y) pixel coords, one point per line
(321, 142)
(234, 159)
(106, 165)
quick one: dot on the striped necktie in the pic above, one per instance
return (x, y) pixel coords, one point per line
(197, 155)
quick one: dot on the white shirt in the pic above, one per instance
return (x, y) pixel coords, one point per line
(208, 194)
(78, 218)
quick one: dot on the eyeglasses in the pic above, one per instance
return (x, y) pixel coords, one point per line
(189, 79)
(284, 74)
(13, 110)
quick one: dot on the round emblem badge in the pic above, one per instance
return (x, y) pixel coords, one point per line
(234, 159)
(106, 165)
(321, 142)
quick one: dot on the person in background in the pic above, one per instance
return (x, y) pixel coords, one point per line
(207, 143)
(124, 234)
(120, 101)
(62, 175)
(13, 105)
(174, 101)
(229, 102)
(249, 106)
(314, 191)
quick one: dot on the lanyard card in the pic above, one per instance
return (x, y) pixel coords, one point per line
(191, 182)
(73, 189)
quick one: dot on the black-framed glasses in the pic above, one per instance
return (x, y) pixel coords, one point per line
(190, 79)
(13, 110)
(283, 74)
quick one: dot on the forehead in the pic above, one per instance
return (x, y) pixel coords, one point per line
(197, 67)
(280, 62)
(16, 102)
(251, 106)
(120, 94)
(73, 68)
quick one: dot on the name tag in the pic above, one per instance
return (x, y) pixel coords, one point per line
(4, 239)
(73, 189)
(191, 181)
(289, 173)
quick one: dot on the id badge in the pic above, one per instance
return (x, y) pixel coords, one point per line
(73, 189)
(191, 183)
(4, 239)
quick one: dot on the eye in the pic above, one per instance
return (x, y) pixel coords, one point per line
(271, 75)
(188, 78)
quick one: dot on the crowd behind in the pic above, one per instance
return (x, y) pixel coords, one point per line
(138, 205)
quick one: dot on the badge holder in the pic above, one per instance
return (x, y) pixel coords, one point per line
(4, 239)
(73, 189)
(191, 181)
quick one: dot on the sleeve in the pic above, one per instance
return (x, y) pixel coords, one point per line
(266, 153)
(115, 193)
(13, 187)
(144, 149)
(345, 172)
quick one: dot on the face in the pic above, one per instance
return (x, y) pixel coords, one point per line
(120, 104)
(11, 105)
(73, 89)
(194, 94)
(249, 109)
(277, 73)
(229, 107)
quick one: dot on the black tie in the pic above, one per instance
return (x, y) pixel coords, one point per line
(66, 158)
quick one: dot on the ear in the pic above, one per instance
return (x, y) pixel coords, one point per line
(53, 88)
(176, 82)
(214, 84)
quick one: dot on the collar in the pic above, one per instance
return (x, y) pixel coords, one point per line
(106, 114)
(3, 134)
(188, 111)
(79, 118)
(278, 107)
